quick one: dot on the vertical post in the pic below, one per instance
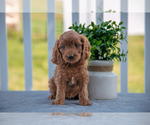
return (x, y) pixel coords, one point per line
(99, 11)
(3, 48)
(75, 11)
(113, 5)
(50, 34)
(91, 11)
(67, 14)
(147, 47)
(124, 46)
(27, 40)
(83, 14)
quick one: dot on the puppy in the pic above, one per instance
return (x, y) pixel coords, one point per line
(71, 77)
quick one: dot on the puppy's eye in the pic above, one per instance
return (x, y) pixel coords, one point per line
(63, 47)
(76, 45)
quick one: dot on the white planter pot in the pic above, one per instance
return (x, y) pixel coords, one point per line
(103, 84)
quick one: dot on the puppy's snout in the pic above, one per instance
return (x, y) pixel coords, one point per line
(71, 56)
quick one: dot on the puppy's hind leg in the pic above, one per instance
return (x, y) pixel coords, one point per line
(52, 88)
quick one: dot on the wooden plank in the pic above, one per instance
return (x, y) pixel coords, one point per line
(147, 47)
(27, 40)
(50, 34)
(75, 11)
(3, 49)
(124, 46)
(99, 11)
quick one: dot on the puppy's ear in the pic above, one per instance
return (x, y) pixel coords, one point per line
(57, 58)
(86, 48)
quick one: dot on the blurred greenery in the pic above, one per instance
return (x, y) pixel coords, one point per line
(39, 53)
(40, 61)
(135, 65)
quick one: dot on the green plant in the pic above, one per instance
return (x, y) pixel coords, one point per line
(104, 39)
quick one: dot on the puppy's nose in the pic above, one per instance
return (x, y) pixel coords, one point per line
(71, 56)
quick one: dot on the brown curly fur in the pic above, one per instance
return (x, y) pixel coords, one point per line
(71, 77)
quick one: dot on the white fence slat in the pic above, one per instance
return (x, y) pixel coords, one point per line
(113, 5)
(50, 34)
(67, 14)
(75, 11)
(85, 11)
(124, 46)
(27, 40)
(99, 11)
(147, 46)
(91, 11)
(83, 14)
(3, 49)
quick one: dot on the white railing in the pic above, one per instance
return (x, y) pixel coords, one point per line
(74, 10)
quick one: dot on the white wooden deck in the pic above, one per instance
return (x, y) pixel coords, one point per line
(37, 101)
(76, 12)
(32, 107)
(75, 118)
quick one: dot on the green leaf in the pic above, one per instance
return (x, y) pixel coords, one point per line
(114, 22)
(120, 23)
(123, 27)
(98, 48)
(108, 43)
(113, 48)
(89, 36)
(94, 42)
(80, 26)
(109, 11)
(103, 38)
(92, 24)
(109, 26)
(118, 49)
(98, 42)
(102, 44)
(93, 48)
(111, 37)
(106, 23)
(70, 27)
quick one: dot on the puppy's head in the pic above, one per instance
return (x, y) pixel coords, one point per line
(71, 48)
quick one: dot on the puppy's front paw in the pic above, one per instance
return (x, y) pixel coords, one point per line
(52, 97)
(85, 102)
(57, 102)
